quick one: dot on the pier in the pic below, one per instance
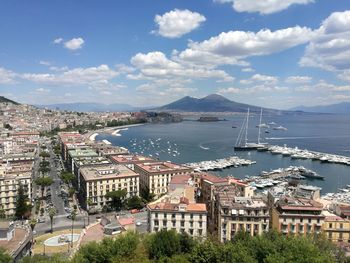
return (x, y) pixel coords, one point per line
(219, 164)
(296, 153)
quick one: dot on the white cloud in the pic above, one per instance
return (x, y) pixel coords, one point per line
(298, 79)
(230, 47)
(263, 6)
(230, 90)
(157, 65)
(330, 48)
(6, 76)
(177, 22)
(259, 78)
(100, 75)
(74, 43)
(44, 63)
(42, 90)
(58, 40)
(247, 70)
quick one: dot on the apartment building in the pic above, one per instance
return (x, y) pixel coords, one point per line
(155, 176)
(9, 184)
(336, 228)
(297, 216)
(130, 160)
(79, 153)
(97, 181)
(234, 213)
(178, 210)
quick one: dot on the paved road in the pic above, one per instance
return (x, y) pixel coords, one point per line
(56, 199)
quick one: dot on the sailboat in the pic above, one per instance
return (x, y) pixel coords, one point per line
(242, 139)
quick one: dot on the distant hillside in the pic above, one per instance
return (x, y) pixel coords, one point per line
(6, 100)
(90, 107)
(211, 103)
(340, 108)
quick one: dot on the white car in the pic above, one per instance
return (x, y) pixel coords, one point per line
(138, 223)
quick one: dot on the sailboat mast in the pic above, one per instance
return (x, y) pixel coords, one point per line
(259, 126)
(246, 128)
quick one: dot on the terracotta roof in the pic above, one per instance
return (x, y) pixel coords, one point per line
(180, 179)
(213, 178)
(126, 221)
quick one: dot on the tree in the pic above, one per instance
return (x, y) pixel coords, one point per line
(43, 181)
(22, 207)
(116, 199)
(44, 154)
(164, 243)
(32, 223)
(4, 257)
(73, 216)
(52, 213)
(146, 195)
(2, 212)
(134, 202)
(67, 177)
(71, 192)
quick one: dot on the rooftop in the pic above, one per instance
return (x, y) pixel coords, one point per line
(81, 152)
(162, 167)
(91, 160)
(211, 178)
(106, 172)
(290, 203)
(182, 206)
(124, 159)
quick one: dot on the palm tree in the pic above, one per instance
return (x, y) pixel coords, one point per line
(73, 216)
(52, 213)
(32, 224)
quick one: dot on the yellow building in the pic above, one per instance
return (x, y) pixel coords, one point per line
(336, 228)
(297, 216)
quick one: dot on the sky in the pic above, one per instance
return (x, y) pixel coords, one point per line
(271, 53)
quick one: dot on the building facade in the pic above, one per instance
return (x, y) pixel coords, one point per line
(97, 181)
(155, 176)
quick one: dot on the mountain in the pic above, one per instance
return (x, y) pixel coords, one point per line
(6, 100)
(90, 107)
(340, 108)
(211, 103)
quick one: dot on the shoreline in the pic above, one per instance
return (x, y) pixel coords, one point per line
(110, 130)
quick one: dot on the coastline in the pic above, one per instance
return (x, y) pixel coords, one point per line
(110, 130)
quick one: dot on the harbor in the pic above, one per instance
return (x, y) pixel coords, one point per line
(219, 164)
(296, 153)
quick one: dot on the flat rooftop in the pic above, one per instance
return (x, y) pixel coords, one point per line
(131, 158)
(163, 167)
(106, 172)
(91, 160)
(179, 207)
(289, 203)
(82, 152)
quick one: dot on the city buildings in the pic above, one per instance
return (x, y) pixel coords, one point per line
(178, 210)
(234, 213)
(97, 181)
(155, 176)
(297, 216)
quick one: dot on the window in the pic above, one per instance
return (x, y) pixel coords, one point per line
(182, 223)
(156, 222)
(165, 215)
(330, 225)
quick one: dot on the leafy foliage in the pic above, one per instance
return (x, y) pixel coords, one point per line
(116, 198)
(22, 207)
(4, 257)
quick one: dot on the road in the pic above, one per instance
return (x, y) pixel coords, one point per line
(56, 198)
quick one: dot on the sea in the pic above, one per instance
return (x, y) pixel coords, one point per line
(194, 141)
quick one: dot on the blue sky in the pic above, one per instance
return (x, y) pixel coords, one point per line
(273, 53)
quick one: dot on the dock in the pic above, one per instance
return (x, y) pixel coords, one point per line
(219, 164)
(296, 153)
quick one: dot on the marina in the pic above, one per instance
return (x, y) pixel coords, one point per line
(296, 153)
(219, 164)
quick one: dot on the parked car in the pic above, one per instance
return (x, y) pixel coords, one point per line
(41, 220)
